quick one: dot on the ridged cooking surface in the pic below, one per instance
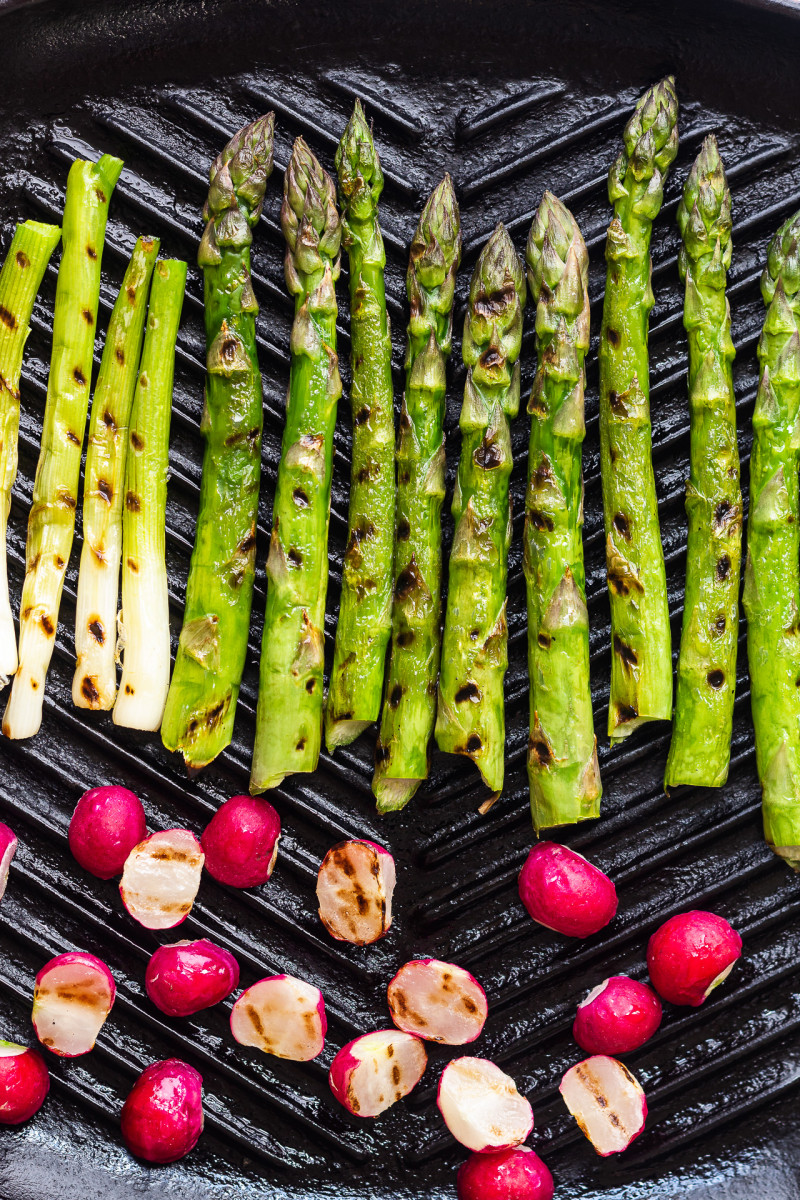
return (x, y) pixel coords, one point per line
(272, 1127)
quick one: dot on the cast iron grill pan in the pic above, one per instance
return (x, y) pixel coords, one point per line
(541, 105)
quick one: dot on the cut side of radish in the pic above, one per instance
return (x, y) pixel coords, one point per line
(8, 847)
(283, 1016)
(161, 878)
(374, 1071)
(482, 1107)
(354, 889)
(72, 997)
(607, 1102)
(437, 1001)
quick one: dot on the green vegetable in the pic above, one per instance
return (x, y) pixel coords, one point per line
(409, 708)
(563, 771)
(471, 714)
(771, 575)
(51, 523)
(289, 717)
(701, 737)
(641, 666)
(201, 705)
(365, 606)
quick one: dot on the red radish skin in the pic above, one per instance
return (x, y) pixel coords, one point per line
(161, 878)
(516, 1174)
(186, 977)
(72, 996)
(106, 825)
(24, 1083)
(482, 1107)
(565, 892)
(607, 1102)
(437, 1001)
(616, 1017)
(162, 1117)
(374, 1071)
(283, 1016)
(690, 955)
(354, 889)
(8, 848)
(240, 842)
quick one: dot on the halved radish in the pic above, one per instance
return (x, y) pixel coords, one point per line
(72, 997)
(482, 1107)
(374, 1071)
(161, 877)
(437, 1001)
(8, 847)
(283, 1016)
(354, 890)
(607, 1102)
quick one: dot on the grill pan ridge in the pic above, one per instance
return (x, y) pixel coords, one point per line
(510, 103)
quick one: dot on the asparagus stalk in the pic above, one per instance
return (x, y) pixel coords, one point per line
(20, 280)
(563, 772)
(94, 684)
(641, 666)
(289, 716)
(201, 704)
(365, 606)
(409, 708)
(771, 576)
(145, 601)
(51, 523)
(471, 715)
(700, 750)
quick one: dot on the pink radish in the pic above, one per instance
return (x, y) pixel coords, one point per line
(72, 996)
(690, 955)
(374, 1071)
(106, 824)
(161, 878)
(516, 1174)
(482, 1107)
(437, 1001)
(185, 977)
(607, 1102)
(240, 841)
(617, 1016)
(24, 1083)
(162, 1117)
(354, 890)
(8, 848)
(283, 1016)
(563, 891)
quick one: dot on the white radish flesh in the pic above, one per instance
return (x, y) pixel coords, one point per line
(373, 1072)
(438, 1001)
(282, 1016)
(482, 1107)
(161, 878)
(607, 1102)
(354, 889)
(8, 847)
(72, 997)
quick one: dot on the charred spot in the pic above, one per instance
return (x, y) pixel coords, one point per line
(133, 565)
(492, 305)
(470, 691)
(620, 584)
(622, 526)
(545, 641)
(89, 690)
(47, 625)
(404, 476)
(488, 455)
(396, 695)
(405, 420)
(66, 499)
(129, 692)
(300, 498)
(365, 474)
(396, 1075)
(79, 376)
(381, 753)
(119, 354)
(628, 655)
(719, 625)
(474, 634)
(362, 903)
(723, 568)
(362, 416)
(97, 632)
(540, 520)
(101, 196)
(90, 250)
(132, 502)
(358, 534)
(490, 358)
(22, 259)
(625, 713)
(474, 743)
(87, 316)
(7, 317)
(715, 678)
(108, 420)
(721, 512)
(132, 294)
(247, 543)
(301, 745)
(295, 557)
(612, 337)
(105, 489)
(403, 530)
(35, 684)
(469, 1004)
(59, 561)
(310, 685)
(73, 437)
(539, 751)
(405, 639)
(408, 581)
(136, 440)
(617, 406)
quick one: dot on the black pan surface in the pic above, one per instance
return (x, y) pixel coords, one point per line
(510, 99)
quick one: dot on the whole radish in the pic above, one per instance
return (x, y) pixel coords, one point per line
(482, 1107)
(72, 996)
(24, 1083)
(606, 1101)
(516, 1174)
(185, 977)
(617, 1016)
(8, 848)
(106, 824)
(565, 892)
(240, 841)
(355, 886)
(690, 955)
(161, 878)
(162, 1117)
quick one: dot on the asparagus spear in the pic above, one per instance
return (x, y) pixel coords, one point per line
(51, 523)
(20, 279)
(289, 717)
(563, 772)
(365, 606)
(201, 704)
(771, 576)
(145, 601)
(471, 715)
(700, 749)
(409, 709)
(94, 684)
(641, 666)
